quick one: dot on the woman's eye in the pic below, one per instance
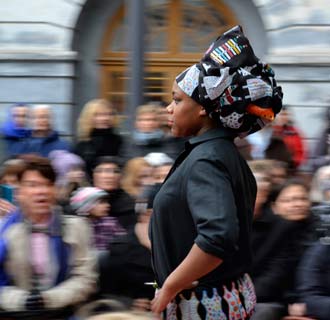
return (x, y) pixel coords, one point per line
(176, 101)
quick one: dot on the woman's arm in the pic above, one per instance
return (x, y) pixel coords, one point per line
(196, 264)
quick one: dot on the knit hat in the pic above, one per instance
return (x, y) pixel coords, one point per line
(233, 85)
(84, 199)
(63, 161)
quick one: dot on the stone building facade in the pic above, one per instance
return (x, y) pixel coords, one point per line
(51, 51)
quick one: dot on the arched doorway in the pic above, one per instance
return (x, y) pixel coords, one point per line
(177, 31)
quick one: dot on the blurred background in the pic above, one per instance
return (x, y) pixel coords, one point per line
(66, 52)
(85, 81)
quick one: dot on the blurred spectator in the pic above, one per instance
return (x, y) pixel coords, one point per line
(9, 176)
(71, 175)
(137, 175)
(129, 264)
(96, 132)
(313, 284)
(107, 176)
(161, 164)
(277, 150)
(93, 203)
(147, 136)
(44, 138)
(261, 172)
(280, 236)
(45, 258)
(284, 128)
(320, 185)
(15, 129)
(278, 172)
(321, 156)
(259, 142)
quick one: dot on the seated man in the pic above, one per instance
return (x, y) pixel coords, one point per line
(45, 258)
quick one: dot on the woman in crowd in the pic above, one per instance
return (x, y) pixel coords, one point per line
(313, 285)
(280, 235)
(137, 176)
(96, 132)
(107, 176)
(202, 219)
(285, 129)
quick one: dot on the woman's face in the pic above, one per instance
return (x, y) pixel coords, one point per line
(107, 176)
(103, 118)
(144, 176)
(147, 122)
(292, 203)
(184, 114)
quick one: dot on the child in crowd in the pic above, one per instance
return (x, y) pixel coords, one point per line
(93, 203)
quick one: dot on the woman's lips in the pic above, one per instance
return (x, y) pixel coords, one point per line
(170, 122)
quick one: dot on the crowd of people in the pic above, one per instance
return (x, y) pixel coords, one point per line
(75, 214)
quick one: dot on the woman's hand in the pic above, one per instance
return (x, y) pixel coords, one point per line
(165, 295)
(162, 298)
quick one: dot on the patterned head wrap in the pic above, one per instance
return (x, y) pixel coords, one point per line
(233, 85)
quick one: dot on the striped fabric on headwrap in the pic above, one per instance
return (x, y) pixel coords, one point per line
(233, 85)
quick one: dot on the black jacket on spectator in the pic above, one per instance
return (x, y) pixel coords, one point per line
(122, 207)
(103, 142)
(125, 270)
(277, 246)
(313, 281)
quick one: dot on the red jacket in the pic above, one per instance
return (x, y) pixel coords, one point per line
(294, 142)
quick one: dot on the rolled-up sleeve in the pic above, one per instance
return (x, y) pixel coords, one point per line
(212, 204)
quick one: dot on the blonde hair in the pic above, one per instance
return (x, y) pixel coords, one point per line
(130, 175)
(85, 121)
(147, 108)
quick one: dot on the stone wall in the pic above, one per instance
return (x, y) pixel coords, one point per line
(39, 53)
(299, 50)
(36, 59)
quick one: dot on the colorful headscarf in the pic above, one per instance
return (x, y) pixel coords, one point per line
(233, 85)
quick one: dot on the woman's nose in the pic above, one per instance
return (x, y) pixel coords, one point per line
(169, 108)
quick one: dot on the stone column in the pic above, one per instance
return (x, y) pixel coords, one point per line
(135, 69)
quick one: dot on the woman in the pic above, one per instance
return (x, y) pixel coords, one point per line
(137, 176)
(200, 227)
(96, 135)
(280, 235)
(107, 176)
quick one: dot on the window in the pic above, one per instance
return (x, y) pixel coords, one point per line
(177, 32)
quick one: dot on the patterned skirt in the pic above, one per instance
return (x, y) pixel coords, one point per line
(231, 302)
